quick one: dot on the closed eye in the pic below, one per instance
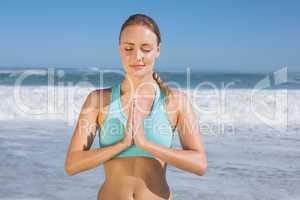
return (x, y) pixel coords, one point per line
(146, 50)
(128, 49)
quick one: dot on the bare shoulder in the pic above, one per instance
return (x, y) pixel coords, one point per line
(179, 93)
(98, 98)
(174, 105)
(179, 98)
(184, 103)
(101, 99)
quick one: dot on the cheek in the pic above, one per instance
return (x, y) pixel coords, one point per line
(150, 58)
(125, 58)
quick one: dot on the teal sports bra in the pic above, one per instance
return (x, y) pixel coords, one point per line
(157, 127)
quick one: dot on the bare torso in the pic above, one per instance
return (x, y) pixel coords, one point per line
(136, 178)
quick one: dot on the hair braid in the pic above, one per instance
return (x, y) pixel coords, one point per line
(162, 85)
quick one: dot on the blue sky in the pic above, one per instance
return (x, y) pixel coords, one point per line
(239, 35)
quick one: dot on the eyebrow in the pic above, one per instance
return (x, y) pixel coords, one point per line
(130, 43)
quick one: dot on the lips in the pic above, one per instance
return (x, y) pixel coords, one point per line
(138, 66)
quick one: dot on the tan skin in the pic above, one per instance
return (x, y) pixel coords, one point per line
(136, 177)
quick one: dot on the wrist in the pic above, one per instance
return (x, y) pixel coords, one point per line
(124, 144)
(144, 144)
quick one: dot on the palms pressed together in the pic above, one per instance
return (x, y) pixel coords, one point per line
(134, 131)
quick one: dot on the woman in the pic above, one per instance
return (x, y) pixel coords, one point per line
(137, 119)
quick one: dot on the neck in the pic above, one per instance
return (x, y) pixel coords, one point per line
(140, 85)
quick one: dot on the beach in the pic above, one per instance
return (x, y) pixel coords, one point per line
(251, 139)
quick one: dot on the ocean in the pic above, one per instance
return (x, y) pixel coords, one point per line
(250, 124)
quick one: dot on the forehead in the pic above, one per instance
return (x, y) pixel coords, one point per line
(138, 34)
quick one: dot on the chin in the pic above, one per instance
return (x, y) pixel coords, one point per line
(143, 72)
(140, 73)
(133, 71)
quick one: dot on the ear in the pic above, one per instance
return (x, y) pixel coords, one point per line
(158, 51)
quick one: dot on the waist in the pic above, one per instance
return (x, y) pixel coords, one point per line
(134, 188)
(135, 178)
(135, 167)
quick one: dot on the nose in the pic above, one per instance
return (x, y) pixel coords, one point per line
(139, 55)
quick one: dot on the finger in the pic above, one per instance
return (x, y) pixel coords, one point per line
(130, 112)
(133, 110)
(133, 107)
(130, 118)
(135, 115)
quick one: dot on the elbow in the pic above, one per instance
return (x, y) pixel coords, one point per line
(69, 171)
(69, 165)
(201, 167)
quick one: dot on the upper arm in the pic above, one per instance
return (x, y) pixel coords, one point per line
(188, 125)
(86, 126)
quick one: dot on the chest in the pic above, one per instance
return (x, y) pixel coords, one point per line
(144, 105)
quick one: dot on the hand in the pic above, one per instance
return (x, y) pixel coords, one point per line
(128, 138)
(138, 126)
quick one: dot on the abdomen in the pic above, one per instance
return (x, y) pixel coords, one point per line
(135, 178)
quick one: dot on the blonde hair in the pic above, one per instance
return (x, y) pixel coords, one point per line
(144, 20)
(162, 85)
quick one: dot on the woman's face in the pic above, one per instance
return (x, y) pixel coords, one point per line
(138, 50)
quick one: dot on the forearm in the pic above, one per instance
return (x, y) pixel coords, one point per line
(79, 161)
(188, 160)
